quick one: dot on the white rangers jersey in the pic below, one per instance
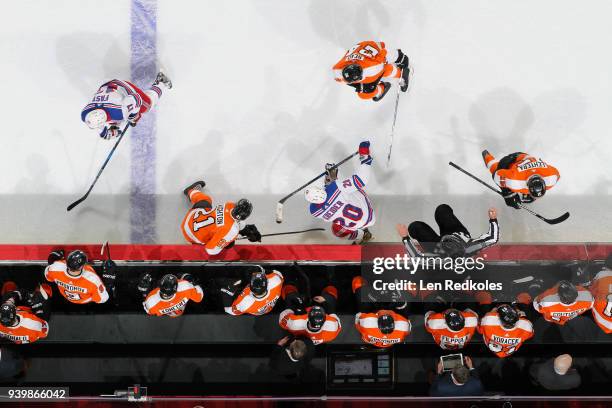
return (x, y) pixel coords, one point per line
(347, 203)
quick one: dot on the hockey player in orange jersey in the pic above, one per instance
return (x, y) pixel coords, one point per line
(216, 227)
(563, 302)
(521, 177)
(378, 326)
(257, 298)
(318, 322)
(76, 280)
(601, 289)
(452, 329)
(365, 67)
(171, 297)
(27, 323)
(505, 329)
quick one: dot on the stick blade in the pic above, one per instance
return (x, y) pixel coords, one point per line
(77, 202)
(557, 220)
(279, 212)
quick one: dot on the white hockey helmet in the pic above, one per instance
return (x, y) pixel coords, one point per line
(315, 195)
(96, 118)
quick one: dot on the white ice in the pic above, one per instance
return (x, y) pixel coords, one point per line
(255, 111)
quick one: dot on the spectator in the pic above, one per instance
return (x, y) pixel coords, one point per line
(556, 374)
(291, 356)
(12, 364)
(461, 382)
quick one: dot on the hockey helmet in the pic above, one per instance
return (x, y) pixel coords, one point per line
(242, 210)
(386, 323)
(352, 73)
(568, 293)
(452, 246)
(508, 315)
(168, 286)
(315, 195)
(96, 118)
(454, 319)
(259, 283)
(76, 260)
(536, 186)
(8, 314)
(316, 318)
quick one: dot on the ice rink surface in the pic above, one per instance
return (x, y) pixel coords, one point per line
(255, 112)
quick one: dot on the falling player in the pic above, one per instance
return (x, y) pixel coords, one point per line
(365, 67)
(119, 101)
(522, 178)
(216, 228)
(345, 204)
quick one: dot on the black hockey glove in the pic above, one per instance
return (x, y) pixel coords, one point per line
(145, 284)
(55, 255)
(511, 198)
(109, 275)
(190, 278)
(251, 233)
(38, 303)
(228, 292)
(402, 60)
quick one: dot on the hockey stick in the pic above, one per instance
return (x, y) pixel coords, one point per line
(80, 200)
(105, 249)
(279, 205)
(393, 126)
(547, 220)
(287, 233)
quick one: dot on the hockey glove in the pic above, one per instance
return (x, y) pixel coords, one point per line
(145, 283)
(511, 198)
(55, 255)
(134, 118)
(110, 132)
(402, 60)
(331, 173)
(190, 278)
(364, 148)
(251, 233)
(109, 275)
(37, 300)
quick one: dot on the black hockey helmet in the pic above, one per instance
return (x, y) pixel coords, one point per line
(76, 260)
(242, 210)
(386, 323)
(508, 315)
(259, 283)
(8, 314)
(454, 319)
(352, 73)
(608, 261)
(452, 246)
(568, 293)
(168, 286)
(536, 186)
(316, 318)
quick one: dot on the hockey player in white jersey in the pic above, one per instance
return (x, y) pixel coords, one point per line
(344, 202)
(119, 101)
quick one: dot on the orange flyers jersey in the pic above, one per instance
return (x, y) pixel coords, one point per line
(370, 55)
(214, 228)
(504, 342)
(29, 329)
(297, 325)
(367, 326)
(553, 310)
(175, 306)
(601, 289)
(515, 178)
(246, 303)
(85, 288)
(445, 337)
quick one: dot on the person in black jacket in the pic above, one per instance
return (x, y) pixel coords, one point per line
(461, 382)
(291, 356)
(12, 364)
(556, 374)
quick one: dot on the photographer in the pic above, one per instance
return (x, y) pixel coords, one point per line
(462, 381)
